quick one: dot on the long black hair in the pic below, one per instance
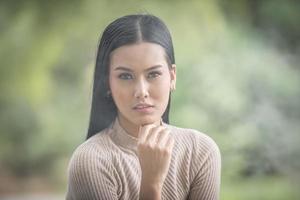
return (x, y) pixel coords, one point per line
(126, 30)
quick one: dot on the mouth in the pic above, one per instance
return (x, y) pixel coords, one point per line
(144, 108)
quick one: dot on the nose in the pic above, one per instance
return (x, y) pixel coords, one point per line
(141, 89)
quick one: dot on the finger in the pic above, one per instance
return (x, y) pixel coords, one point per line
(143, 132)
(153, 134)
(162, 137)
(170, 142)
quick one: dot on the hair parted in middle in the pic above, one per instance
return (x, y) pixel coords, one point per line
(129, 29)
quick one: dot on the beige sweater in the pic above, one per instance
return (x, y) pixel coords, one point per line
(106, 166)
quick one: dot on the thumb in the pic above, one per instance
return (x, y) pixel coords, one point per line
(139, 133)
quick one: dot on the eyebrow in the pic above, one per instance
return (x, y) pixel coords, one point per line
(130, 70)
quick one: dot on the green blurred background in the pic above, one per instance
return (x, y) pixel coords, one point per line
(238, 81)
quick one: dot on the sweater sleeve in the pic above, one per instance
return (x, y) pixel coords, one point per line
(206, 184)
(90, 177)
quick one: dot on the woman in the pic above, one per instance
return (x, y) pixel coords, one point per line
(131, 151)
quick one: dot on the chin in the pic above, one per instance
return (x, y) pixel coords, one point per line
(147, 120)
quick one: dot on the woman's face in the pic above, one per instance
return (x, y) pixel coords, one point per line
(140, 81)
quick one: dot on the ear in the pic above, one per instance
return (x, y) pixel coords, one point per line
(173, 76)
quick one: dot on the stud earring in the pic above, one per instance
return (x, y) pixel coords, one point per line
(173, 88)
(108, 94)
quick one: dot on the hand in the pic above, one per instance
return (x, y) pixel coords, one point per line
(154, 152)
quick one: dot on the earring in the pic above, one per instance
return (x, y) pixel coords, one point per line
(108, 94)
(173, 88)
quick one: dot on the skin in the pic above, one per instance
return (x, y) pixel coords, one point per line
(139, 73)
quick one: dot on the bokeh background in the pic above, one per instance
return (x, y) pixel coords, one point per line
(238, 81)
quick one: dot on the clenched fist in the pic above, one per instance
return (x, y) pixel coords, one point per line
(154, 152)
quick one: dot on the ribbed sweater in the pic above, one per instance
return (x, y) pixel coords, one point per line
(106, 166)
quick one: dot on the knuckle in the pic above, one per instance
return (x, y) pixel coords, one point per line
(149, 146)
(144, 145)
(160, 149)
(165, 151)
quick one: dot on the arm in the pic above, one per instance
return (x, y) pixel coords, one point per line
(150, 192)
(206, 184)
(154, 153)
(90, 177)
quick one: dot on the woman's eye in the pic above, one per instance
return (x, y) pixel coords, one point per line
(154, 74)
(125, 76)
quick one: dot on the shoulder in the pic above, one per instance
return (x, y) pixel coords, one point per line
(93, 152)
(91, 170)
(200, 142)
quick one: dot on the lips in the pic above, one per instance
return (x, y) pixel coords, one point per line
(142, 106)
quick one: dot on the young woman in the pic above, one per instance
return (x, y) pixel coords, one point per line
(131, 151)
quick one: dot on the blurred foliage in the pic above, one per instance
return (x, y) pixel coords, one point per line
(238, 81)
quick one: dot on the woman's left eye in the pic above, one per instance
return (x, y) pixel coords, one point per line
(154, 74)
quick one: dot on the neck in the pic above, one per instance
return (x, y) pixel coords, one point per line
(131, 128)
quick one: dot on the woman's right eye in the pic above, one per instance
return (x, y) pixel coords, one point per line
(125, 76)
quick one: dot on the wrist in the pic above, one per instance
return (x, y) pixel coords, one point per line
(150, 191)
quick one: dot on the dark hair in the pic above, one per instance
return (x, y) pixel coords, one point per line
(126, 30)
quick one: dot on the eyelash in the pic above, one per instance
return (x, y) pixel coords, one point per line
(151, 75)
(125, 76)
(154, 74)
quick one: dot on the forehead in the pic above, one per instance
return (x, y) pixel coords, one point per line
(140, 55)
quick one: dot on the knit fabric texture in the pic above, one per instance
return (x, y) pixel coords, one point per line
(106, 166)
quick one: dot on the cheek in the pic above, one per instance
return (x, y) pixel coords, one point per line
(120, 96)
(118, 92)
(162, 89)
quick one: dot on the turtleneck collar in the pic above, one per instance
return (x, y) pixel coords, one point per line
(122, 138)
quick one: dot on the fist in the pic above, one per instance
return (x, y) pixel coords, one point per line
(154, 152)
